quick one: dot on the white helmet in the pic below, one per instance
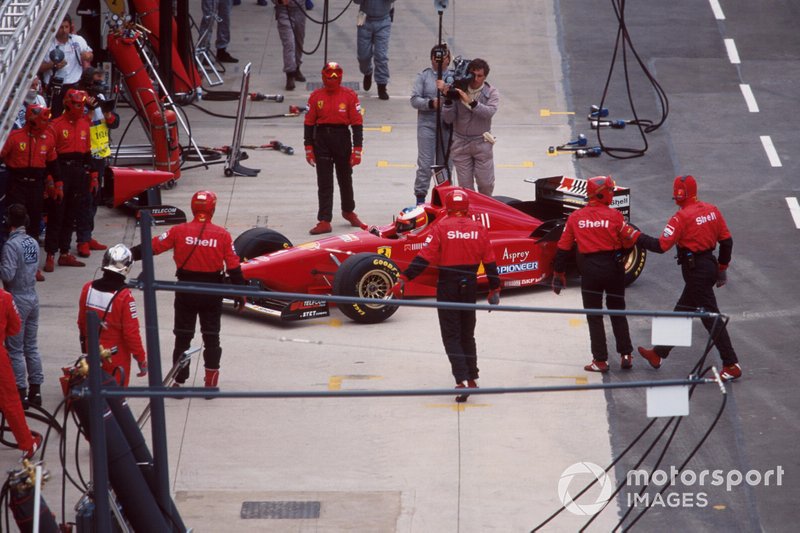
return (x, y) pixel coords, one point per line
(118, 259)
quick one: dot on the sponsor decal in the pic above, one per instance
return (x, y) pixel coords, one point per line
(463, 235)
(621, 201)
(194, 241)
(162, 211)
(348, 237)
(163, 236)
(22, 146)
(428, 240)
(514, 256)
(483, 218)
(668, 230)
(415, 246)
(518, 267)
(385, 250)
(320, 103)
(589, 224)
(309, 245)
(702, 219)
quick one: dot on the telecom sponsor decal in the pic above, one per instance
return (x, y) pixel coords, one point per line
(518, 267)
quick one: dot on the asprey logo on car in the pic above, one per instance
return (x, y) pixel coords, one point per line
(518, 267)
(522, 255)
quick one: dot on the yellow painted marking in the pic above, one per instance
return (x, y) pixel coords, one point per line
(382, 129)
(335, 382)
(524, 164)
(579, 380)
(547, 113)
(720, 507)
(386, 164)
(335, 322)
(455, 406)
(576, 322)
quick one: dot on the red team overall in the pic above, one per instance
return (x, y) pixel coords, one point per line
(332, 110)
(202, 251)
(30, 155)
(74, 147)
(457, 246)
(114, 305)
(598, 231)
(696, 229)
(10, 403)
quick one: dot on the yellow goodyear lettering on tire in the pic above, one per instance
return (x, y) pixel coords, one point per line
(384, 263)
(359, 310)
(385, 251)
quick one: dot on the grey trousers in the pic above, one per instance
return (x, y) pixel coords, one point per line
(373, 47)
(426, 147)
(23, 349)
(474, 162)
(211, 10)
(292, 31)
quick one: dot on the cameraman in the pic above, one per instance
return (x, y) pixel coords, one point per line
(103, 118)
(469, 106)
(425, 99)
(64, 75)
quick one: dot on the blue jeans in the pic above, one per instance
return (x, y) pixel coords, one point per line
(22, 347)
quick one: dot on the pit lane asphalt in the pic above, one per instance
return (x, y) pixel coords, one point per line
(424, 464)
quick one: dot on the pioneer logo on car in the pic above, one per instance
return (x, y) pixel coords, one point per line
(518, 267)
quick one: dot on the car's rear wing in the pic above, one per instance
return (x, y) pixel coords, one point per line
(561, 195)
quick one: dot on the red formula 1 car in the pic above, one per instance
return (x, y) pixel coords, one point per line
(366, 263)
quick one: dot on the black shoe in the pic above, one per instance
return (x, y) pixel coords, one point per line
(23, 397)
(299, 76)
(382, 94)
(367, 82)
(35, 395)
(224, 57)
(289, 81)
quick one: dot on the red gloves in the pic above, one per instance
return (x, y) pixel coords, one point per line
(142, 368)
(629, 234)
(94, 184)
(559, 281)
(310, 155)
(355, 156)
(494, 296)
(54, 191)
(722, 275)
(399, 287)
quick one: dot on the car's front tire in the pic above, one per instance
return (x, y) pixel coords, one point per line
(366, 275)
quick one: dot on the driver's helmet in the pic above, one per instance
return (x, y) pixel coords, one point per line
(411, 218)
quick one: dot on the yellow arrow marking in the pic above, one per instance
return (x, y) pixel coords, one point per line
(456, 406)
(576, 322)
(386, 164)
(524, 164)
(547, 113)
(335, 382)
(579, 380)
(382, 129)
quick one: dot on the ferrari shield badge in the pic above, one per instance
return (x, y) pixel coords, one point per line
(385, 250)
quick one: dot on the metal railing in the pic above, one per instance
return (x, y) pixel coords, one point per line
(26, 30)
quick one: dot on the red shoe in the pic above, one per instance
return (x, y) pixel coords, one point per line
(597, 366)
(39, 275)
(83, 249)
(626, 362)
(652, 357)
(731, 372)
(94, 245)
(353, 219)
(69, 260)
(321, 227)
(461, 398)
(50, 263)
(37, 443)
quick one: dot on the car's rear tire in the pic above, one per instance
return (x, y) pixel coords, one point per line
(259, 241)
(634, 264)
(366, 275)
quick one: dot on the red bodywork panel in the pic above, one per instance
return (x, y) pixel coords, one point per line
(310, 267)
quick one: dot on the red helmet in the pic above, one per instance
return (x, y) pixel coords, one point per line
(684, 188)
(203, 205)
(332, 75)
(600, 189)
(75, 103)
(411, 218)
(37, 117)
(457, 202)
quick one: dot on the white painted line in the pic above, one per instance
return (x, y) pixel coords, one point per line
(752, 105)
(717, 9)
(732, 53)
(772, 154)
(794, 209)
